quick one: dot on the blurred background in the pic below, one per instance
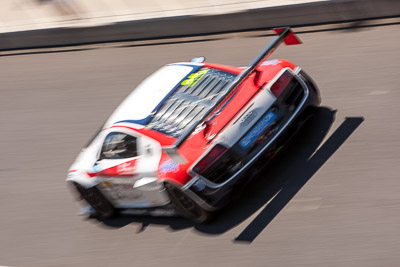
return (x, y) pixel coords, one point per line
(331, 199)
(19, 15)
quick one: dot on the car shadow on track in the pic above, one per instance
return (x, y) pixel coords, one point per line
(276, 183)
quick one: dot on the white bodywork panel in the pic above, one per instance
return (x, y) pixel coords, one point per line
(140, 190)
(146, 97)
(238, 128)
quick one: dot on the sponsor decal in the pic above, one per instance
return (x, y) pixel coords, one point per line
(126, 168)
(169, 166)
(271, 62)
(106, 184)
(248, 118)
(194, 77)
(257, 129)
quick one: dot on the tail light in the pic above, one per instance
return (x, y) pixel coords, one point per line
(279, 86)
(215, 153)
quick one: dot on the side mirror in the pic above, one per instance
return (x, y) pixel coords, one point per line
(198, 59)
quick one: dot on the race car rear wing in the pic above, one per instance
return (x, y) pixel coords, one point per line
(284, 35)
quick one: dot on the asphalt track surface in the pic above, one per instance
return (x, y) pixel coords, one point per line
(330, 199)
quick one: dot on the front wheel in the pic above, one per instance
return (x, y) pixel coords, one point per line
(104, 209)
(186, 206)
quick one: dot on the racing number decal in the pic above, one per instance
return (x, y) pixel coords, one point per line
(194, 77)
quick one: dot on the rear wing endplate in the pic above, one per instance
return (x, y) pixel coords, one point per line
(284, 35)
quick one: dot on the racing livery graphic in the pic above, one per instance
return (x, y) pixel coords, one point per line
(185, 137)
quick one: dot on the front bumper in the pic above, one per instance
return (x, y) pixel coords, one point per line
(124, 193)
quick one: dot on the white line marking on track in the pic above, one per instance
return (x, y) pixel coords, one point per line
(379, 92)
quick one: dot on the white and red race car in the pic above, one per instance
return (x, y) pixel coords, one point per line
(184, 139)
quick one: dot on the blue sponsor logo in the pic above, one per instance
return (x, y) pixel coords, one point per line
(169, 166)
(257, 129)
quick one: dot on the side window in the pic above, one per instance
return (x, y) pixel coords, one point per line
(119, 146)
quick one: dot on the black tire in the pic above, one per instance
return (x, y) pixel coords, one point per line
(104, 209)
(186, 206)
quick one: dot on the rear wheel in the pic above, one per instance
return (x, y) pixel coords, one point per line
(186, 206)
(104, 209)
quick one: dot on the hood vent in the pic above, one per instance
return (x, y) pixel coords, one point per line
(190, 101)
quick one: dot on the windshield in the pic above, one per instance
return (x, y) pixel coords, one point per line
(118, 146)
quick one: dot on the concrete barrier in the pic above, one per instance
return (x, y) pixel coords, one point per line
(262, 18)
